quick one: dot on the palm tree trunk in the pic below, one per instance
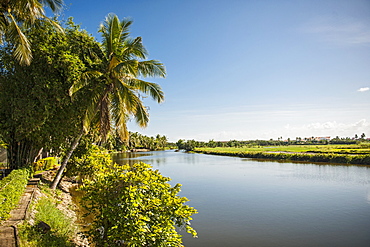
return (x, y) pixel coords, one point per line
(62, 167)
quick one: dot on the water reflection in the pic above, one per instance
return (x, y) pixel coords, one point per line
(244, 202)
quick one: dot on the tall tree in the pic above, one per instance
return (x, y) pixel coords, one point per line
(17, 15)
(115, 84)
(35, 108)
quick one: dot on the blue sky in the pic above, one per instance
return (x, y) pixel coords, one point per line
(244, 70)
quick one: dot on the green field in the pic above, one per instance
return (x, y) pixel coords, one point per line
(337, 149)
(347, 154)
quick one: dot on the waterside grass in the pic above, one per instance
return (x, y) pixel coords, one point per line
(62, 230)
(343, 154)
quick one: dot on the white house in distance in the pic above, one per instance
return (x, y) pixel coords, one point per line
(324, 138)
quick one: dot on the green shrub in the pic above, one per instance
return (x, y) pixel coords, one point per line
(11, 189)
(89, 160)
(45, 164)
(135, 205)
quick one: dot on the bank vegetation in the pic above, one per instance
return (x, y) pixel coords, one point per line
(358, 154)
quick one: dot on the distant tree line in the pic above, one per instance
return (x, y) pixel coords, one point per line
(191, 144)
(137, 141)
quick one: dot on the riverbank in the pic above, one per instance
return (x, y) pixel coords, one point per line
(60, 212)
(327, 154)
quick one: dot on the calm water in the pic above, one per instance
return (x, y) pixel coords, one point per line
(243, 202)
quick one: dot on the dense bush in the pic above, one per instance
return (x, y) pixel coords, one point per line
(134, 205)
(88, 160)
(11, 189)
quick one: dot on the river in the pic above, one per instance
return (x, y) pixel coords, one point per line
(245, 202)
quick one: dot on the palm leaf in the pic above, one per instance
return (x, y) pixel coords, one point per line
(133, 105)
(151, 68)
(149, 88)
(92, 108)
(26, 11)
(114, 33)
(55, 5)
(141, 115)
(127, 96)
(85, 79)
(128, 68)
(119, 115)
(113, 62)
(133, 48)
(22, 50)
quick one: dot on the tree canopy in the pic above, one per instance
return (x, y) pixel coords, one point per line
(19, 15)
(35, 108)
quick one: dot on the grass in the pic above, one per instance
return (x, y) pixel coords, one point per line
(344, 154)
(62, 230)
(336, 149)
(11, 190)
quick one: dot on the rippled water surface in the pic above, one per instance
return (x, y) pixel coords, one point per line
(244, 202)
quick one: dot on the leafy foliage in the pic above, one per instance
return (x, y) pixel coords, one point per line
(139, 141)
(87, 160)
(136, 206)
(11, 189)
(36, 110)
(112, 87)
(45, 164)
(16, 16)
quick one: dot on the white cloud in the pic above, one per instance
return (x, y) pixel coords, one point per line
(363, 89)
(339, 30)
(291, 131)
(330, 129)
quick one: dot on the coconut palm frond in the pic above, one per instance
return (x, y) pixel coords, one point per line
(18, 14)
(119, 116)
(127, 95)
(26, 11)
(114, 33)
(113, 63)
(149, 88)
(151, 68)
(133, 106)
(125, 28)
(141, 115)
(85, 79)
(55, 5)
(22, 50)
(54, 24)
(92, 108)
(134, 48)
(128, 68)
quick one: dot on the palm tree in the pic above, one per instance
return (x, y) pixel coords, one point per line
(115, 85)
(17, 15)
